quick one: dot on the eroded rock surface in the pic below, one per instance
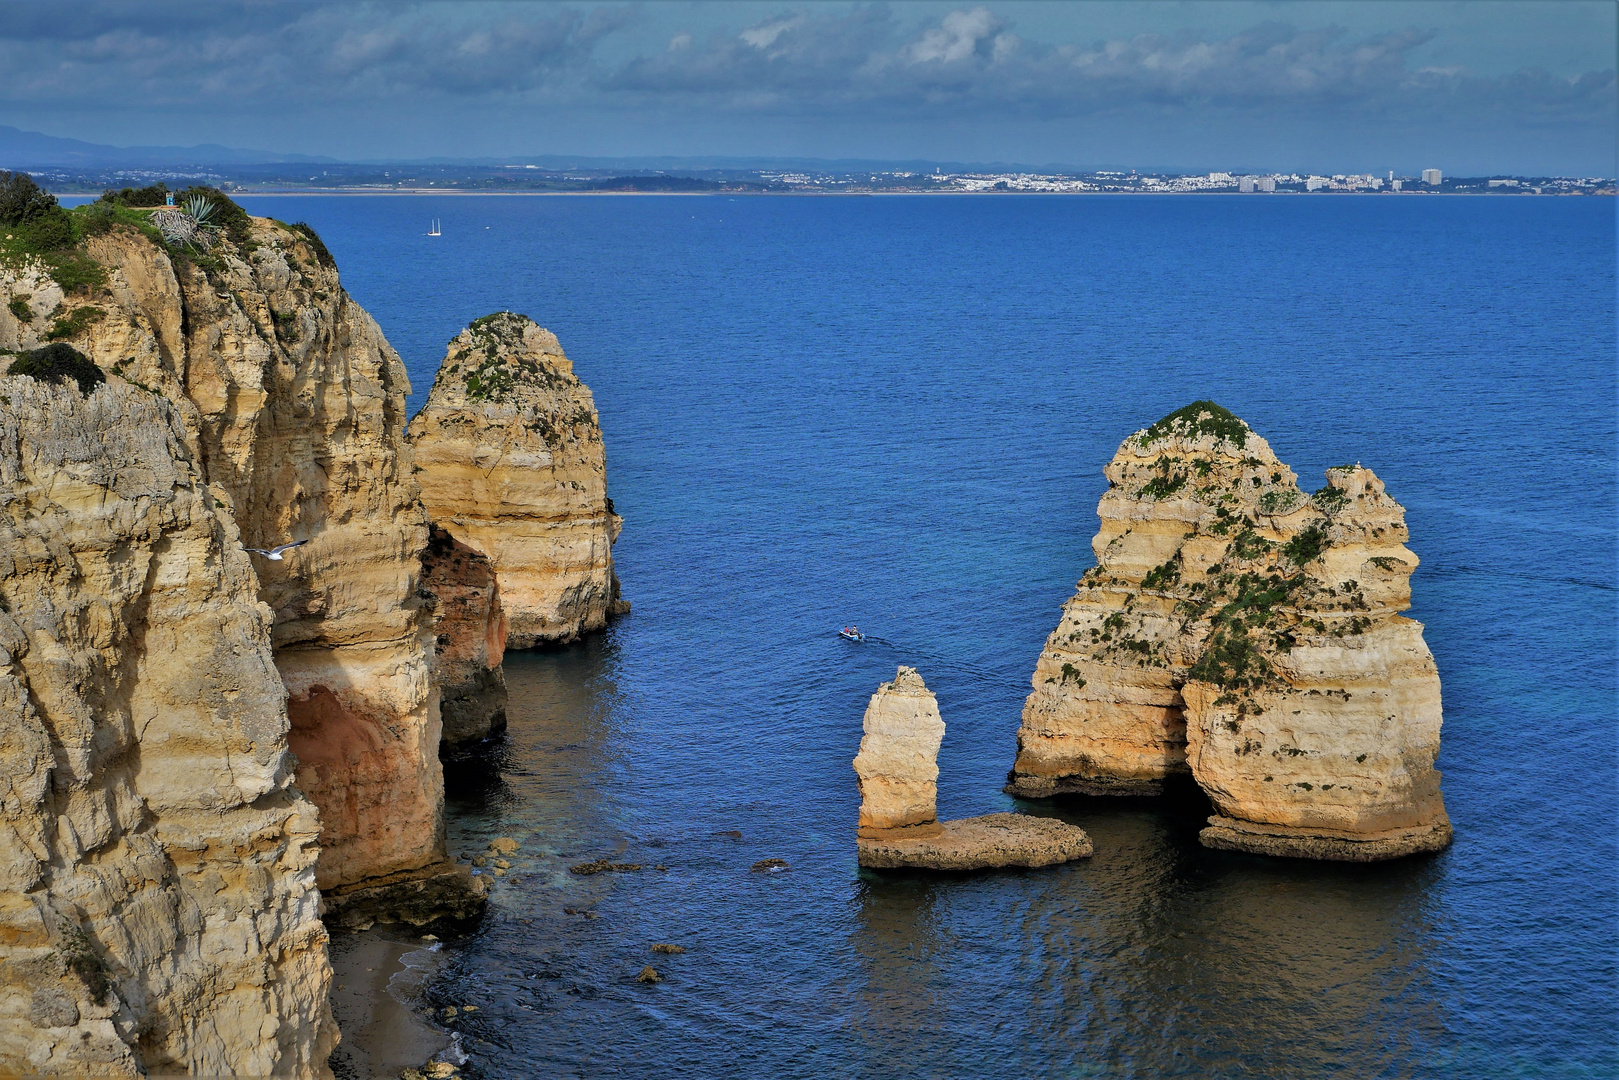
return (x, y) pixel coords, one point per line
(158, 910)
(898, 759)
(898, 770)
(1240, 630)
(512, 464)
(470, 629)
(293, 403)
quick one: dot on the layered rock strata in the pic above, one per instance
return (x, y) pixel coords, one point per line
(470, 629)
(511, 463)
(1239, 630)
(898, 772)
(158, 909)
(294, 404)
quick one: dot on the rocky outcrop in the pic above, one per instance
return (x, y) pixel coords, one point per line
(158, 910)
(294, 405)
(1241, 631)
(898, 759)
(470, 628)
(511, 463)
(898, 771)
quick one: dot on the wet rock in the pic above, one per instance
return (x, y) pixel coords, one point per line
(664, 947)
(503, 864)
(733, 834)
(503, 845)
(648, 975)
(770, 865)
(602, 866)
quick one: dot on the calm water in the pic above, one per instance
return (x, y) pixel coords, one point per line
(895, 412)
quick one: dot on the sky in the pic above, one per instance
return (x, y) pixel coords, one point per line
(1471, 87)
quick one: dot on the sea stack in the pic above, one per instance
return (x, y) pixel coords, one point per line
(470, 629)
(510, 460)
(898, 771)
(1245, 633)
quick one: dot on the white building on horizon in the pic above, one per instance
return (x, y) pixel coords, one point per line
(1432, 177)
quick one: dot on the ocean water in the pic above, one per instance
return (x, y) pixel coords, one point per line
(894, 412)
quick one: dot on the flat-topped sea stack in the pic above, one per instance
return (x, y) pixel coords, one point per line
(471, 640)
(1236, 629)
(510, 459)
(898, 770)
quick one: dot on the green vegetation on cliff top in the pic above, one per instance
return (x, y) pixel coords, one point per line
(57, 363)
(1197, 419)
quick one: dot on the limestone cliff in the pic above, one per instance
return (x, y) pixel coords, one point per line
(471, 639)
(1240, 630)
(511, 463)
(158, 909)
(293, 403)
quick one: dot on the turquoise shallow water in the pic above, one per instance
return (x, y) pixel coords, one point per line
(895, 412)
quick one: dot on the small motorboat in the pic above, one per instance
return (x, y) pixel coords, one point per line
(851, 633)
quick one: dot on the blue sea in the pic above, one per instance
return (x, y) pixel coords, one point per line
(894, 412)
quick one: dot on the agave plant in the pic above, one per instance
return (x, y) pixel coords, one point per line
(190, 224)
(201, 208)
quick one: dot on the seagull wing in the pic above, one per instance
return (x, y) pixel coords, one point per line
(286, 547)
(256, 551)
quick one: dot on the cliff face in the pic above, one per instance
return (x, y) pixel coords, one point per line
(471, 639)
(1244, 632)
(293, 403)
(512, 464)
(157, 892)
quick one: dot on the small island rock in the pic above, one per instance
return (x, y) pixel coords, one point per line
(898, 771)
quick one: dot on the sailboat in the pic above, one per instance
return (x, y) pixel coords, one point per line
(435, 231)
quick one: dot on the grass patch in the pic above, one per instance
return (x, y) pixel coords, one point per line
(74, 322)
(19, 308)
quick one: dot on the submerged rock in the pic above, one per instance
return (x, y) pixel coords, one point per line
(470, 634)
(1239, 630)
(898, 771)
(511, 462)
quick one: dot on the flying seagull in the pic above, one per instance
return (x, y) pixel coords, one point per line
(274, 554)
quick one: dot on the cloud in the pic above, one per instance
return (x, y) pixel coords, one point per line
(970, 62)
(871, 65)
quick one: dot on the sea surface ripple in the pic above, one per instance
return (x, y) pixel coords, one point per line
(894, 412)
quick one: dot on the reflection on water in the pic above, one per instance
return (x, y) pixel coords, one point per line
(1154, 958)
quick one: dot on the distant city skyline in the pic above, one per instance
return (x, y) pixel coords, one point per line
(1329, 86)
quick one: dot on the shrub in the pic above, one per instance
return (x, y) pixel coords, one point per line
(21, 199)
(1161, 487)
(1331, 499)
(98, 218)
(1199, 418)
(322, 256)
(155, 195)
(1306, 545)
(19, 307)
(54, 363)
(74, 322)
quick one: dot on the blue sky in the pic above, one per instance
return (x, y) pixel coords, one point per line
(1348, 85)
